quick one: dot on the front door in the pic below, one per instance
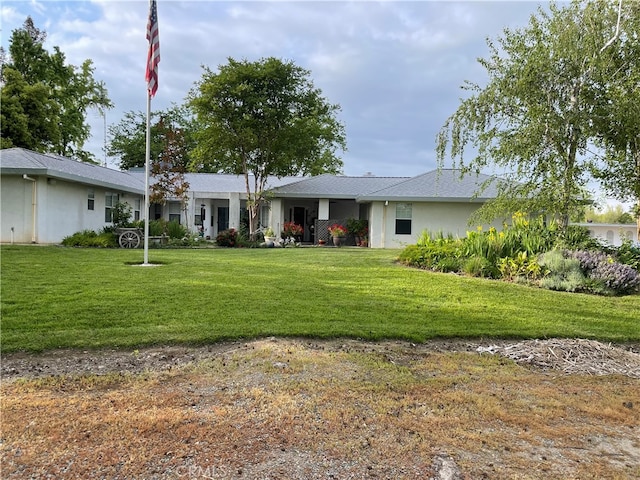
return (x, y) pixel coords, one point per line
(223, 218)
(298, 218)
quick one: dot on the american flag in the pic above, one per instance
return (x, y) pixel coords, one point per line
(153, 57)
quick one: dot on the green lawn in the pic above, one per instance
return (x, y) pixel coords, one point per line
(55, 297)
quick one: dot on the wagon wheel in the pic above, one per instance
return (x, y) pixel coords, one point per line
(129, 240)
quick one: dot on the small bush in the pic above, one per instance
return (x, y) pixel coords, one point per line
(478, 267)
(227, 238)
(607, 276)
(157, 227)
(121, 215)
(564, 273)
(577, 237)
(520, 266)
(448, 264)
(629, 254)
(589, 259)
(617, 278)
(175, 230)
(89, 238)
(188, 240)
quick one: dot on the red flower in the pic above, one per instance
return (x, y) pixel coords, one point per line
(337, 230)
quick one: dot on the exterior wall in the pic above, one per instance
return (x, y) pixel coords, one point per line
(61, 209)
(450, 218)
(613, 233)
(15, 201)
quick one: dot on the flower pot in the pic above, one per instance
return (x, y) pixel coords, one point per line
(337, 241)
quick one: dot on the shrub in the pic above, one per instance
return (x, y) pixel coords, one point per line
(478, 267)
(227, 238)
(577, 237)
(447, 264)
(617, 278)
(607, 276)
(520, 266)
(629, 254)
(174, 229)
(589, 259)
(156, 227)
(89, 238)
(413, 255)
(564, 273)
(188, 240)
(121, 214)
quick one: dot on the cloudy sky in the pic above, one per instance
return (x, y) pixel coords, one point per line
(394, 67)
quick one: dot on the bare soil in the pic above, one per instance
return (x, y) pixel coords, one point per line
(309, 409)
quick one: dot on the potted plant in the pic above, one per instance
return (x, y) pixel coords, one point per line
(292, 229)
(359, 229)
(269, 235)
(337, 232)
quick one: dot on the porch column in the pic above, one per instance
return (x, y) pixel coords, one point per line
(276, 215)
(323, 209)
(377, 225)
(234, 210)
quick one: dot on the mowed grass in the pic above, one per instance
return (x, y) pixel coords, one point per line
(56, 297)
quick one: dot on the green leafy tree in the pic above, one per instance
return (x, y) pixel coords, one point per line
(128, 138)
(616, 122)
(611, 214)
(44, 100)
(264, 118)
(533, 118)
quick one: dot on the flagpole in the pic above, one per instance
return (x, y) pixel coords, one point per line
(146, 181)
(151, 77)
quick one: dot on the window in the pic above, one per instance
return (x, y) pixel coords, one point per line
(174, 211)
(110, 200)
(264, 215)
(136, 209)
(91, 199)
(403, 218)
(610, 236)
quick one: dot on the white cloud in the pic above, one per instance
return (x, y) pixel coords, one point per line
(394, 67)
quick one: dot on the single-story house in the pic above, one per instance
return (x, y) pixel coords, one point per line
(47, 197)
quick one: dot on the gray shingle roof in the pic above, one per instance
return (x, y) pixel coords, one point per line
(332, 186)
(437, 186)
(22, 161)
(221, 183)
(434, 186)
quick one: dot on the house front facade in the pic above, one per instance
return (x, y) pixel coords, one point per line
(47, 197)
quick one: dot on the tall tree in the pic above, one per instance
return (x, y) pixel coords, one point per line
(533, 118)
(264, 118)
(617, 122)
(128, 138)
(28, 76)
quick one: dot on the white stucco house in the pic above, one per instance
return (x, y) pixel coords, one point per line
(46, 197)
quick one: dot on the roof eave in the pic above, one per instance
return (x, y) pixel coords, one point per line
(376, 198)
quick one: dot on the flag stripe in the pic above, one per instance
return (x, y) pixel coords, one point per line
(153, 56)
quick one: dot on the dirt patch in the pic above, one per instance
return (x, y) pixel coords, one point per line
(567, 355)
(302, 409)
